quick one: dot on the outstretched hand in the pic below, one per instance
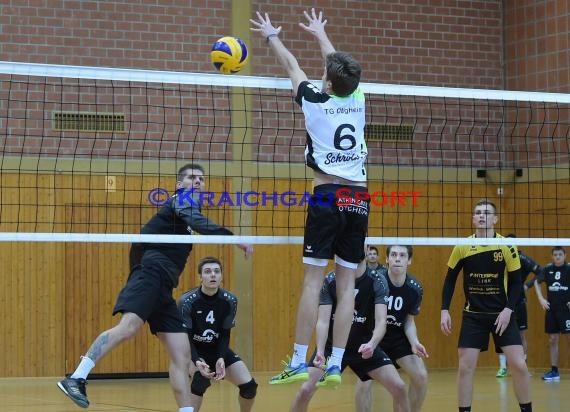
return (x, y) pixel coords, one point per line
(263, 25)
(316, 24)
(247, 249)
(204, 369)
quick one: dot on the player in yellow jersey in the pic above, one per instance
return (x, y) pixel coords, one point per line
(492, 287)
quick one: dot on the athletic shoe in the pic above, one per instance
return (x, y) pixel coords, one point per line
(75, 390)
(501, 373)
(289, 375)
(551, 376)
(331, 378)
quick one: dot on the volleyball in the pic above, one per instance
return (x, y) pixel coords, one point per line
(229, 54)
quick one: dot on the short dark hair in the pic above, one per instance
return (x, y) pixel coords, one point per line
(373, 248)
(555, 248)
(343, 71)
(188, 166)
(409, 248)
(486, 202)
(208, 260)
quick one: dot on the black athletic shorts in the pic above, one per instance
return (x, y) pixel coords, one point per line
(557, 320)
(337, 223)
(359, 366)
(211, 358)
(476, 327)
(396, 347)
(521, 315)
(148, 294)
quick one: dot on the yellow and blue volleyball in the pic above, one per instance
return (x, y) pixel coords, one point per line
(229, 54)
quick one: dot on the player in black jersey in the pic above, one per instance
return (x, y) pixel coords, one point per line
(372, 260)
(492, 287)
(363, 355)
(209, 313)
(147, 295)
(556, 275)
(527, 266)
(401, 341)
(337, 216)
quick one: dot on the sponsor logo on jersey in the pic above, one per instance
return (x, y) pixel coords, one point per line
(391, 320)
(207, 336)
(557, 287)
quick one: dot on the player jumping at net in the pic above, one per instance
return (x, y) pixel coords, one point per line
(492, 287)
(209, 313)
(336, 151)
(556, 275)
(147, 295)
(527, 266)
(401, 342)
(363, 355)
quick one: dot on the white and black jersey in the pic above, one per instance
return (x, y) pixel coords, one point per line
(368, 291)
(207, 318)
(402, 301)
(335, 132)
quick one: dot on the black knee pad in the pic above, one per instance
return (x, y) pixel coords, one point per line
(248, 390)
(199, 384)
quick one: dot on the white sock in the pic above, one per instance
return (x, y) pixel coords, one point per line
(83, 368)
(502, 361)
(336, 357)
(186, 409)
(299, 355)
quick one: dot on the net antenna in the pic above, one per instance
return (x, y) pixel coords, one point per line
(84, 149)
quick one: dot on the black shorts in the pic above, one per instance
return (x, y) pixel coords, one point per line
(148, 294)
(396, 346)
(521, 315)
(210, 358)
(359, 366)
(476, 327)
(337, 226)
(557, 320)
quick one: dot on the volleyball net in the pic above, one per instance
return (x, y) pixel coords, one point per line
(89, 154)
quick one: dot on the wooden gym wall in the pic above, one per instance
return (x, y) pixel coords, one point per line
(56, 297)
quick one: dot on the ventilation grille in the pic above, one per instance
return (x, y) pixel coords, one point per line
(88, 122)
(389, 132)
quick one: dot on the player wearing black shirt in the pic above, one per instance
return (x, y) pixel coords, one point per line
(556, 275)
(147, 295)
(492, 287)
(209, 313)
(336, 151)
(401, 341)
(363, 355)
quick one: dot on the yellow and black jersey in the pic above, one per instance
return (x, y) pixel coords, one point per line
(488, 273)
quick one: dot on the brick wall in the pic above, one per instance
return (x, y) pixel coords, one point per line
(437, 42)
(537, 42)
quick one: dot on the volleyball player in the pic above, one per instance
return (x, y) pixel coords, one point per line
(372, 260)
(527, 266)
(492, 287)
(336, 151)
(147, 295)
(209, 313)
(556, 275)
(401, 342)
(363, 355)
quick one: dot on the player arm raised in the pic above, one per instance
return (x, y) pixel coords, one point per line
(289, 62)
(316, 26)
(187, 207)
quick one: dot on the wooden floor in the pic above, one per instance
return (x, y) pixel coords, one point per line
(154, 395)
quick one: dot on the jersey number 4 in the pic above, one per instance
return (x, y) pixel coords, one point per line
(210, 317)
